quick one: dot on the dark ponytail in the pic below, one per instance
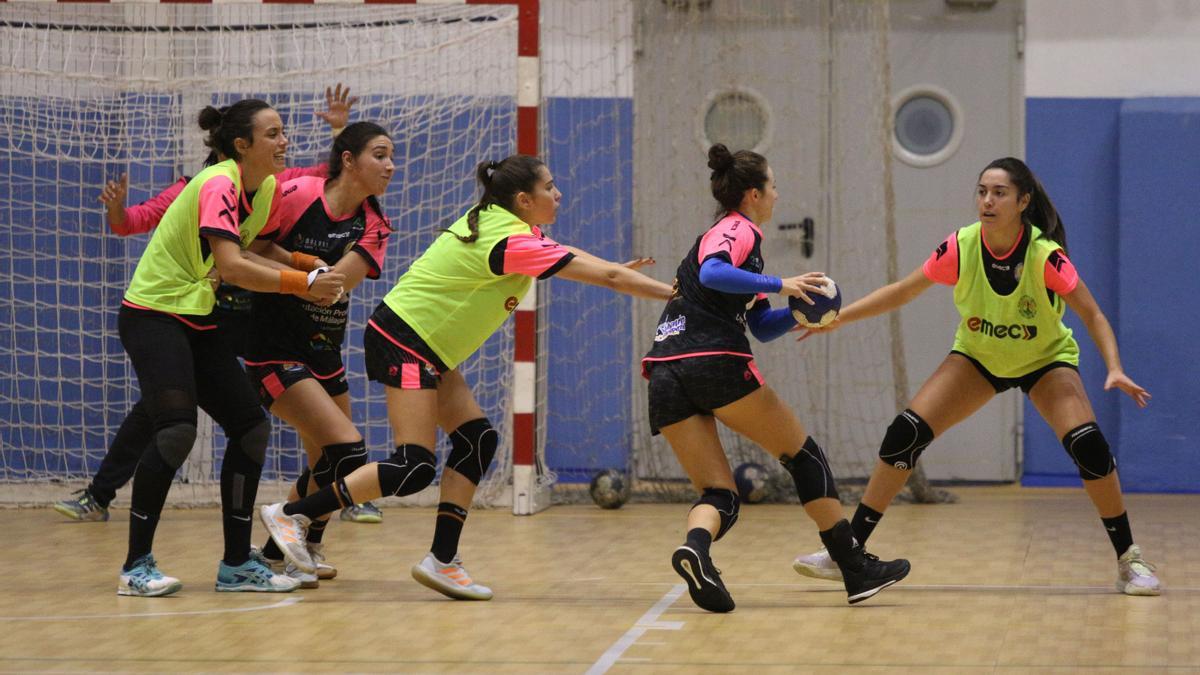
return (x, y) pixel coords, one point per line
(733, 174)
(1041, 211)
(501, 181)
(226, 124)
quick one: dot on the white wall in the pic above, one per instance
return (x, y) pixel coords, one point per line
(1112, 48)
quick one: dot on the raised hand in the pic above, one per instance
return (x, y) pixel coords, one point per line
(339, 103)
(1120, 380)
(113, 198)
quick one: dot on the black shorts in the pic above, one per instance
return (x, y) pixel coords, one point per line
(697, 385)
(272, 379)
(396, 356)
(1025, 382)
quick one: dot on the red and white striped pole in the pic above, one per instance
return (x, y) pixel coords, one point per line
(528, 497)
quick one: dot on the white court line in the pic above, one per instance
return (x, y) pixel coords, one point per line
(649, 621)
(85, 617)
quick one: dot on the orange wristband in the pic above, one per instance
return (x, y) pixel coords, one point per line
(304, 261)
(293, 281)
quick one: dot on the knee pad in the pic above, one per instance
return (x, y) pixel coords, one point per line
(472, 447)
(409, 470)
(342, 459)
(810, 472)
(905, 440)
(726, 503)
(1090, 452)
(253, 441)
(171, 447)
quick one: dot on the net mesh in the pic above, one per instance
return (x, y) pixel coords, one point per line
(806, 83)
(92, 91)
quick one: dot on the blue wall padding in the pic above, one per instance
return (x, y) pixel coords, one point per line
(1120, 172)
(1159, 291)
(1071, 144)
(591, 363)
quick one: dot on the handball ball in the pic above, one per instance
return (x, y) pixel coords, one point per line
(827, 304)
(609, 489)
(751, 481)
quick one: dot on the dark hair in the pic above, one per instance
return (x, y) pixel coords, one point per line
(502, 181)
(352, 139)
(1041, 211)
(228, 123)
(733, 174)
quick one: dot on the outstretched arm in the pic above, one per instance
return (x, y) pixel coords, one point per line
(1084, 304)
(589, 269)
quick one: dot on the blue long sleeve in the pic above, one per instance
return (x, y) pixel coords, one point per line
(719, 275)
(767, 324)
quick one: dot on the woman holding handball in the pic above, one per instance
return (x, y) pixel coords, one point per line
(1012, 284)
(700, 370)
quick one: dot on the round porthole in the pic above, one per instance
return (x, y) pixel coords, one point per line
(740, 118)
(928, 125)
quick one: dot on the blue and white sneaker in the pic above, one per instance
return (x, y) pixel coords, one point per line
(253, 576)
(144, 580)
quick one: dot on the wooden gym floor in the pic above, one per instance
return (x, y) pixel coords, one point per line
(1008, 580)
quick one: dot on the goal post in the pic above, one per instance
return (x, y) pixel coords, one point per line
(93, 90)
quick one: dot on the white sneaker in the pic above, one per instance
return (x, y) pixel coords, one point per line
(451, 580)
(325, 571)
(144, 579)
(289, 533)
(1135, 576)
(286, 569)
(306, 579)
(818, 566)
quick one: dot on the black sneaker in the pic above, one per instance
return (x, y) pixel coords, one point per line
(703, 580)
(873, 575)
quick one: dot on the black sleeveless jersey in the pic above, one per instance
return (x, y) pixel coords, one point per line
(699, 320)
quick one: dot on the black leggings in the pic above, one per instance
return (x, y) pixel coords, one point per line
(180, 367)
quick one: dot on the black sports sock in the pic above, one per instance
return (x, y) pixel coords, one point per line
(316, 531)
(271, 551)
(699, 540)
(150, 488)
(1119, 532)
(326, 500)
(447, 530)
(864, 522)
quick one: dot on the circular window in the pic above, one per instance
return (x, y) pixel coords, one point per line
(928, 126)
(740, 118)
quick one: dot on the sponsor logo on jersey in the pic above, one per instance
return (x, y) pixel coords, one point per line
(1014, 331)
(1027, 307)
(511, 303)
(670, 327)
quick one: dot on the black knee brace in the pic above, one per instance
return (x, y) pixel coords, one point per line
(409, 470)
(254, 440)
(472, 447)
(1090, 452)
(905, 440)
(171, 447)
(726, 503)
(342, 459)
(810, 472)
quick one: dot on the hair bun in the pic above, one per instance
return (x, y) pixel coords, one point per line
(719, 157)
(210, 117)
